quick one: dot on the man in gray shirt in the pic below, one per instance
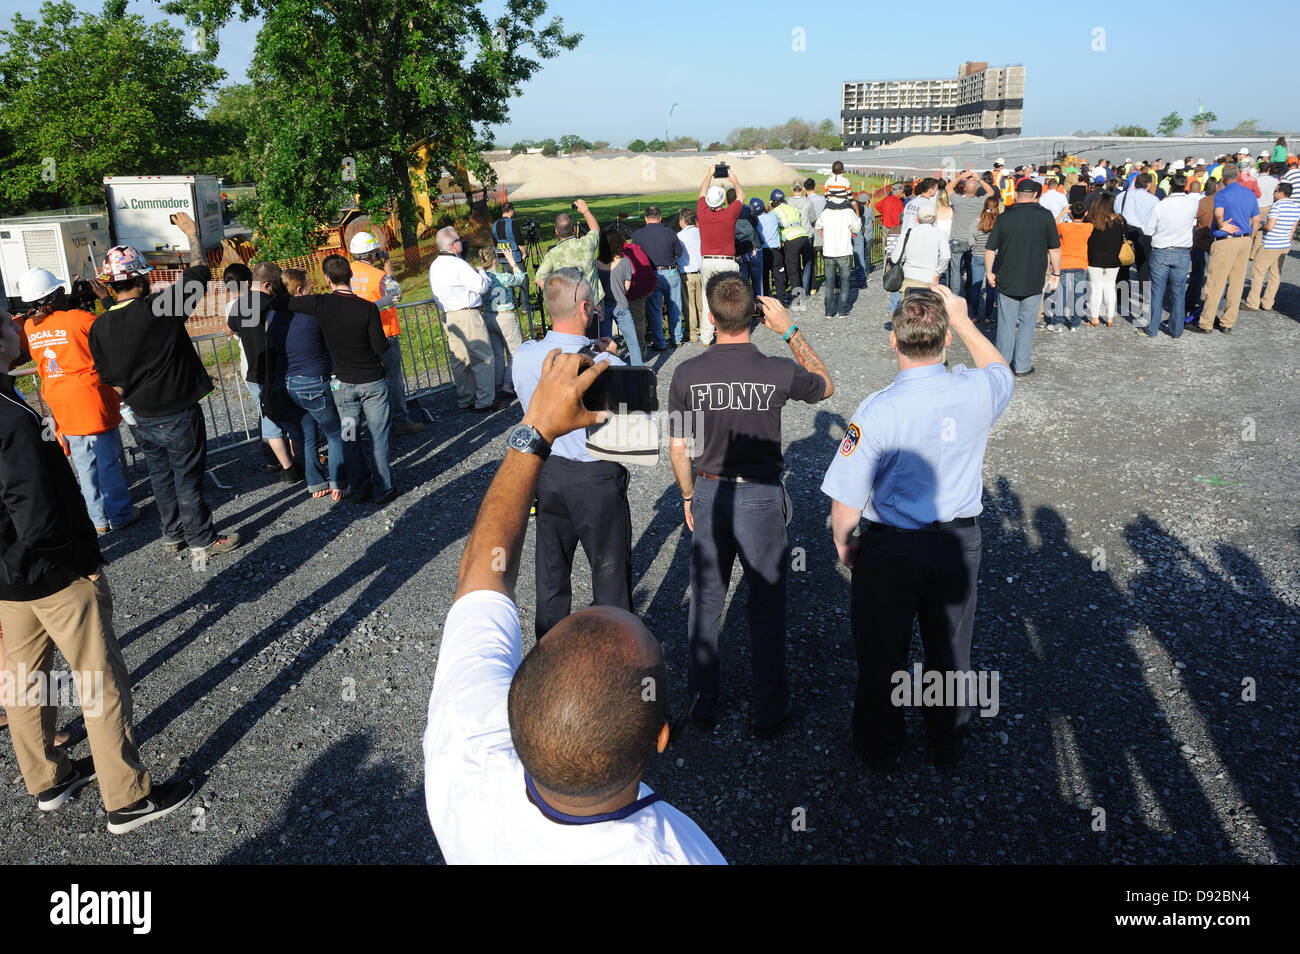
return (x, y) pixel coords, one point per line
(966, 195)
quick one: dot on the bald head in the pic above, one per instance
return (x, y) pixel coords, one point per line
(564, 225)
(587, 704)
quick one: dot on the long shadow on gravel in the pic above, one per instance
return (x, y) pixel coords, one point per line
(1083, 708)
(348, 807)
(383, 564)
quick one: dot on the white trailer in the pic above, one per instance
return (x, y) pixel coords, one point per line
(140, 210)
(69, 246)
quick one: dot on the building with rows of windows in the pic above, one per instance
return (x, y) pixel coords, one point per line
(979, 100)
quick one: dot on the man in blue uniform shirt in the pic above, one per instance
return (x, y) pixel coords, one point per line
(911, 463)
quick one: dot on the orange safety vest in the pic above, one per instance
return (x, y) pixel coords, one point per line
(367, 283)
(1007, 186)
(80, 402)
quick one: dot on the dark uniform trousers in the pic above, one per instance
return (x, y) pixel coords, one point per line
(582, 502)
(798, 253)
(898, 577)
(745, 520)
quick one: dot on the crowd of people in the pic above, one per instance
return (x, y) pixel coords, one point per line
(549, 750)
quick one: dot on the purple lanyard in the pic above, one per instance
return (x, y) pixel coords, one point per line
(563, 819)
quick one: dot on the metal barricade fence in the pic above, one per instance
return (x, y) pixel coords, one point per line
(426, 356)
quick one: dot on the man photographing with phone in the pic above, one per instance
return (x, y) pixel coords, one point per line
(579, 499)
(724, 422)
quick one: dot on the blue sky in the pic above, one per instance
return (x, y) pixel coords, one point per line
(622, 79)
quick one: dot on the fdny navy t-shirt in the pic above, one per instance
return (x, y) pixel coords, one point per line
(728, 402)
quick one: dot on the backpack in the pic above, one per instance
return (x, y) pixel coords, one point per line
(644, 277)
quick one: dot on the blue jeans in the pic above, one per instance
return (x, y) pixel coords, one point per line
(670, 284)
(979, 297)
(751, 267)
(861, 260)
(396, 382)
(1014, 337)
(746, 521)
(176, 449)
(1066, 303)
(607, 318)
(957, 263)
(627, 328)
(1170, 268)
(98, 460)
(313, 396)
(371, 399)
(839, 271)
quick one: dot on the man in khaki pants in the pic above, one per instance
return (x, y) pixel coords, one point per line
(459, 288)
(1236, 218)
(53, 594)
(1279, 225)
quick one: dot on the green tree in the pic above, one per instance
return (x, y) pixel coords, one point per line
(1140, 131)
(656, 145)
(85, 96)
(571, 141)
(637, 145)
(1170, 124)
(349, 86)
(1247, 127)
(598, 145)
(521, 147)
(549, 147)
(228, 122)
(716, 146)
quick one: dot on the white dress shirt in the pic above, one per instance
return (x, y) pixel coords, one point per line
(456, 284)
(690, 260)
(1174, 220)
(1136, 206)
(474, 786)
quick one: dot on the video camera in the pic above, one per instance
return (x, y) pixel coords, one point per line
(528, 231)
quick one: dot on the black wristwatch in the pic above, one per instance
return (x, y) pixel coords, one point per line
(528, 440)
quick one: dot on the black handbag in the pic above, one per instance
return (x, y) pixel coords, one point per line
(893, 278)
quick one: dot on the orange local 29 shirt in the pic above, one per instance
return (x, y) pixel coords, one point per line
(80, 402)
(368, 283)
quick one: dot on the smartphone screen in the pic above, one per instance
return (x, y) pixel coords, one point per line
(623, 388)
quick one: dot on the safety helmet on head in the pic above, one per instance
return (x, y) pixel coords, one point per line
(36, 285)
(777, 196)
(363, 242)
(123, 262)
(757, 205)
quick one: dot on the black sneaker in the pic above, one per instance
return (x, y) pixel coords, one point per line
(1226, 331)
(83, 773)
(1198, 329)
(291, 474)
(163, 800)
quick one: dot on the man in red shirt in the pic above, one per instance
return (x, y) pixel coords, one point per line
(86, 411)
(717, 223)
(891, 216)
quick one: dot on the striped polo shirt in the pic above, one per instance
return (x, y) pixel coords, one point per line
(1287, 214)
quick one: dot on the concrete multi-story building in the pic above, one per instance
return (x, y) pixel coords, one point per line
(980, 100)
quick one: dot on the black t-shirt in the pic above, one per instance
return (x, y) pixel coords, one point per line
(660, 243)
(247, 320)
(1021, 236)
(352, 331)
(728, 402)
(142, 347)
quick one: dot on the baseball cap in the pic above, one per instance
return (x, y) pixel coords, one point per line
(864, 196)
(777, 196)
(714, 197)
(999, 161)
(1029, 187)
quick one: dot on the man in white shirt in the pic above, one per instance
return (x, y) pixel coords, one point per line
(1054, 199)
(689, 265)
(458, 288)
(540, 761)
(837, 225)
(1136, 205)
(1169, 230)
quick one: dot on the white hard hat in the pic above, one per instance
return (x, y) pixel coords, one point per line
(362, 243)
(1244, 151)
(1177, 166)
(715, 196)
(37, 284)
(999, 161)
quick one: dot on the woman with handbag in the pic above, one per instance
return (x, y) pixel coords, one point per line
(1105, 256)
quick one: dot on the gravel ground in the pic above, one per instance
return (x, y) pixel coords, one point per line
(291, 678)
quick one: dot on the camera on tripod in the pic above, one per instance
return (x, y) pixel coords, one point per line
(528, 231)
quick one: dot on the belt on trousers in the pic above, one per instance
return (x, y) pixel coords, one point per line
(959, 523)
(665, 268)
(1220, 238)
(729, 258)
(728, 479)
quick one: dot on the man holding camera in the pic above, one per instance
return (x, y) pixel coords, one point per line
(717, 221)
(573, 252)
(579, 499)
(724, 422)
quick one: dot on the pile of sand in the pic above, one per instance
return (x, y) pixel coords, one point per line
(929, 142)
(538, 177)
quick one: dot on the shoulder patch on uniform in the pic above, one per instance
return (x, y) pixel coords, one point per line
(850, 442)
